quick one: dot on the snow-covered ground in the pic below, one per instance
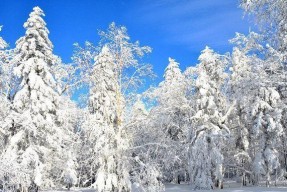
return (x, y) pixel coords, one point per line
(187, 188)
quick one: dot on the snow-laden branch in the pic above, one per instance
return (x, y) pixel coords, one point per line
(147, 144)
(231, 108)
(194, 138)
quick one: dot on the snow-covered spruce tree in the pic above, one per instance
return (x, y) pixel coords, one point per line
(171, 116)
(259, 114)
(243, 80)
(36, 142)
(265, 116)
(266, 132)
(271, 15)
(173, 87)
(239, 82)
(109, 146)
(209, 122)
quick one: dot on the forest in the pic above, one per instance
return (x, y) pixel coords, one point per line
(224, 118)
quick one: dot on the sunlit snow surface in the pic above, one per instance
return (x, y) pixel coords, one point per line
(188, 188)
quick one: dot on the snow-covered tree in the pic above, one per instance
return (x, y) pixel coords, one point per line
(4, 82)
(171, 96)
(126, 54)
(173, 87)
(243, 80)
(119, 57)
(110, 145)
(8, 83)
(170, 116)
(271, 15)
(258, 111)
(36, 141)
(3, 74)
(266, 132)
(209, 121)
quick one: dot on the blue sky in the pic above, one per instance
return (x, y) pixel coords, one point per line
(173, 28)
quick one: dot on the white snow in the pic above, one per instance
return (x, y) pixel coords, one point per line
(188, 188)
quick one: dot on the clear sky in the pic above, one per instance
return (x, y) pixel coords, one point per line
(173, 28)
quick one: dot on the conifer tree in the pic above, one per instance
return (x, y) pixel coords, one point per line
(170, 115)
(34, 152)
(258, 110)
(109, 146)
(208, 123)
